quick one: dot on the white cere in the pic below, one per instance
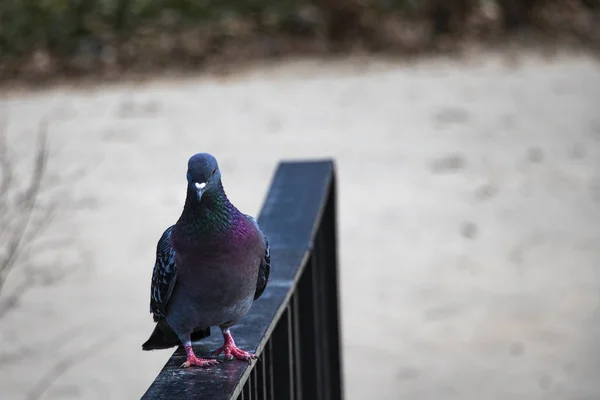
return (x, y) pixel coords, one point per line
(200, 185)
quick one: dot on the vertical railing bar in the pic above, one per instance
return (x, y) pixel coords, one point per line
(270, 386)
(267, 372)
(297, 345)
(332, 303)
(282, 358)
(254, 378)
(318, 330)
(307, 328)
(246, 390)
(322, 288)
(291, 359)
(250, 385)
(261, 384)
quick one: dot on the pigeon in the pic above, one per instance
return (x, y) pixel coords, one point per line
(210, 267)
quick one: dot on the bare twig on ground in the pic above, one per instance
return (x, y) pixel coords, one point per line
(16, 218)
(26, 211)
(28, 255)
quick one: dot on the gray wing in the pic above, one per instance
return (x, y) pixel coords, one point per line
(263, 271)
(265, 265)
(163, 276)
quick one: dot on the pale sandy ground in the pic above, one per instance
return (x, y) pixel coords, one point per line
(470, 219)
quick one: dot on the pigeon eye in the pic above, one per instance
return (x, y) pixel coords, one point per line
(214, 171)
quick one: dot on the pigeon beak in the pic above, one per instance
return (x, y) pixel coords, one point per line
(200, 189)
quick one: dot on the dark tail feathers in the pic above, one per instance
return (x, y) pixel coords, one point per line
(163, 337)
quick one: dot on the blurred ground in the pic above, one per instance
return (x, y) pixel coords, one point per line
(469, 201)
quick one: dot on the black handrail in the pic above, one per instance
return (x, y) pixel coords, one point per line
(294, 326)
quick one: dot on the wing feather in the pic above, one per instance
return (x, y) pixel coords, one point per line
(164, 276)
(265, 265)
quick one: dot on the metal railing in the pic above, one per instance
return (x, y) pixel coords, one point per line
(294, 326)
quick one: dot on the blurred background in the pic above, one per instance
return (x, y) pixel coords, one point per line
(467, 140)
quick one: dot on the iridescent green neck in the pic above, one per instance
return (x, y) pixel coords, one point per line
(213, 214)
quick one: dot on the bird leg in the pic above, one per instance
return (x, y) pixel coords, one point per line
(193, 360)
(230, 350)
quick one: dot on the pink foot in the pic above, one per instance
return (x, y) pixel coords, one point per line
(199, 362)
(193, 360)
(231, 351)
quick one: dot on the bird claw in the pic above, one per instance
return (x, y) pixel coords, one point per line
(199, 362)
(232, 351)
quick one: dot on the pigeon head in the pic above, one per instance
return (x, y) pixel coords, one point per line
(203, 174)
